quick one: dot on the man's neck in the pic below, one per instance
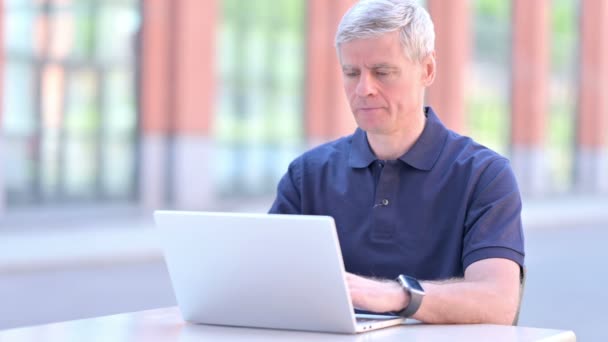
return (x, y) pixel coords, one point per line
(393, 146)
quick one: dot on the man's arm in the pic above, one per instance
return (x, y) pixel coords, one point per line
(288, 200)
(489, 293)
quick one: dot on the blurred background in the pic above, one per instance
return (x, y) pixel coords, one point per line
(111, 109)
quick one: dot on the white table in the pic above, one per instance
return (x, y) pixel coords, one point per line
(167, 325)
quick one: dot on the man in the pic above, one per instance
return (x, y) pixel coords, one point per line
(409, 196)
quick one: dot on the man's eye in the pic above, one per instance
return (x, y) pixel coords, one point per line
(351, 74)
(382, 73)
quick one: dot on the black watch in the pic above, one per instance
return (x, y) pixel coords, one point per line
(415, 291)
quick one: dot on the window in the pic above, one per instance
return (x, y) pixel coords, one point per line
(563, 93)
(489, 90)
(70, 109)
(261, 86)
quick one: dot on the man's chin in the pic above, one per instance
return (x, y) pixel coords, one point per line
(371, 129)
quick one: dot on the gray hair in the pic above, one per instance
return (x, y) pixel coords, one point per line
(373, 18)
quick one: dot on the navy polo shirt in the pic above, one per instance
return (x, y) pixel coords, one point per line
(445, 204)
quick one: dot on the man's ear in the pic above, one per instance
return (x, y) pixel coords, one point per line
(429, 68)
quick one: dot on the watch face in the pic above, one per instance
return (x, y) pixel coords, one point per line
(414, 284)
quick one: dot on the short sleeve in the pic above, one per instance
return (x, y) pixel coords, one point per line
(493, 227)
(288, 198)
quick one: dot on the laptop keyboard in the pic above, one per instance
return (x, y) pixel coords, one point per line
(363, 320)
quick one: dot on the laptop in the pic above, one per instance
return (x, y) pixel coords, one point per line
(260, 270)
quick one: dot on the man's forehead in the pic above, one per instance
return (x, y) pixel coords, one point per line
(380, 51)
(383, 65)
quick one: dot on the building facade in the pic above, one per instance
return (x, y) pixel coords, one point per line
(189, 104)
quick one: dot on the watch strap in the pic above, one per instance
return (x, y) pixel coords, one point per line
(415, 298)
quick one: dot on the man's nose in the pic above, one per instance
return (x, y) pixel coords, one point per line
(366, 85)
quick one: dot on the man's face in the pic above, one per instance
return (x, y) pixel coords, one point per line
(384, 88)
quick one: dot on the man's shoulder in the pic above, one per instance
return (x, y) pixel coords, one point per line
(334, 151)
(464, 150)
(479, 167)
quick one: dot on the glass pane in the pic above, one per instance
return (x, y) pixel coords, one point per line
(116, 32)
(62, 30)
(18, 109)
(261, 58)
(120, 126)
(84, 33)
(11, 5)
(53, 79)
(59, 3)
(489, 87)
(49, 164)
(119, 166)
(82, 114)
(19, 34)
(18, 156)
(562, 93)
(120, 101)
(52, 97)
(81, 128)
(80, 166)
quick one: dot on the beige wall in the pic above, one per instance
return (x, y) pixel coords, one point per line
(178, 89)
(327, 114)
(2, 192)
(452, 20)
(592, 120)
(178, 102)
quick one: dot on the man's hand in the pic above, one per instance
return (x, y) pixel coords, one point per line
(376, 295)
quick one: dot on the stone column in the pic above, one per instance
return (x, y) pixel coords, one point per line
(193, 91)
(530, 94)
(2, 164)
(177, 102)
(591, 169)
(452, 20)
(155, 85)
(327, 113)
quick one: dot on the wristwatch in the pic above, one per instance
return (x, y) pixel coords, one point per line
(415, 291)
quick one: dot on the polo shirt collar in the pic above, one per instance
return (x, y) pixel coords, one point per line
(423, 154)
(426, 150)
(361, 154)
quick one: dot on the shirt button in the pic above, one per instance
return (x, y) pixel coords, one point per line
(385, 202)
